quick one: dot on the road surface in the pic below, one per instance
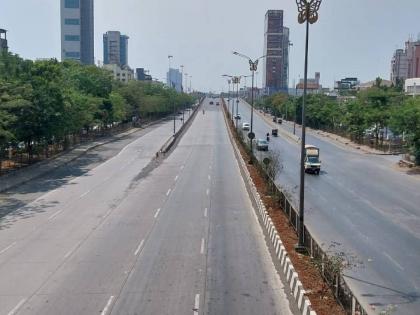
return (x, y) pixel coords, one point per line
(362, 202)
(125, 238)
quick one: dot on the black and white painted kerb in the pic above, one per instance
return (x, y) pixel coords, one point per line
(296, 287)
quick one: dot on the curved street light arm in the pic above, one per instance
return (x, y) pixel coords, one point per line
(241, 55)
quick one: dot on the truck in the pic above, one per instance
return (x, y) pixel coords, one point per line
(312, 161)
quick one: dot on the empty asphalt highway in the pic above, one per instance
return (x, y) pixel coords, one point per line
(182, 238)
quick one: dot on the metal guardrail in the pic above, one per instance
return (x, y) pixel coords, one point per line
(335, 280)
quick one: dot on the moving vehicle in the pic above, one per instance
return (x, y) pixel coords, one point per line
(245, 126)
(262, 145)
(217, 103)
(211, 103)
(238, 116)
(312, 161)
(275, 132)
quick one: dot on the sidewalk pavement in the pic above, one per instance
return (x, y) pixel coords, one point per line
(33, 171)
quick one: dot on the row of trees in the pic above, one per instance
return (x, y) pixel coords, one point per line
(45, 101)
(368, 113)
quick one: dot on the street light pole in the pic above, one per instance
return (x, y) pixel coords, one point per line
(171, 86)
(253, 66)
(308, 13)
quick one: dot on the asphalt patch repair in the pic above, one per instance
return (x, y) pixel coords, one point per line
(317, 290)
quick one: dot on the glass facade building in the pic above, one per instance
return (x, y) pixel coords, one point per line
(77, 31)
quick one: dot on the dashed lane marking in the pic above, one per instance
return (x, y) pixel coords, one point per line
(7, 248)
(17, 307)
(139, 248)
(108, 305)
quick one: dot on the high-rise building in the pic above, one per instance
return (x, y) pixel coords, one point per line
(174, 79)
(77, 28)
(115, 48)
(3, 40)
(276, 50)
(142, 75)
(405, 63)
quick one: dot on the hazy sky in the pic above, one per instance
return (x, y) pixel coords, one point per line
(351, 38)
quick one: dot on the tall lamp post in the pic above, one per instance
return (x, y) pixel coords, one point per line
(253, 66)
(171, 85)
(231, 79)
(237, 80)
(308, 13)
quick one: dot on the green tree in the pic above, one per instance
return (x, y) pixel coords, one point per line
(406, 119)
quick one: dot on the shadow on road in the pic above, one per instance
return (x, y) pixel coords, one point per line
(15, 203)
(395, 297)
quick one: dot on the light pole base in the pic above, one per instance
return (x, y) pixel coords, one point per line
(301, 249)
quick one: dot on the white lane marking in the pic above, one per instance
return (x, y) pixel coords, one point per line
(196, 304)
(157, 213)
(7, 248)
(105, 310)
(139, 248)
(202, 246)
(54, 215)
(71, 251)
(205, 213)
(169, 191)
(208, 192)
(393, 261)
(17, 307)
(84, 194)
(176, 177)
(209, 177)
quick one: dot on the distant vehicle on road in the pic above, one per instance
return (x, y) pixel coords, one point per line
(274, 132)
(238, 116)
(312, 161)
(217, 103)
(211, 103)
(262, 145)
(245, 126)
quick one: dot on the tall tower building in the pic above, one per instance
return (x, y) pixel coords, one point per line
(405, 63)
(3, 40)
(276, 48)
(77, 31)
(115, 48)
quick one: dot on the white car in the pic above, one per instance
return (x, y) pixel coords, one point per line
(246, 126)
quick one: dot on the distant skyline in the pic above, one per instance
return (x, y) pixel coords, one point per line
(351, 38)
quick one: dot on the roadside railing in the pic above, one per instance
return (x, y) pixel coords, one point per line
(328, 269)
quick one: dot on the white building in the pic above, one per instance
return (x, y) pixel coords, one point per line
(122, 74)
(412, 86)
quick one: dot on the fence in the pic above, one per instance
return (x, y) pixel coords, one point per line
(334, 279)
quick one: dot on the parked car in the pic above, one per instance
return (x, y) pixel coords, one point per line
(262, 145)
(246, 126)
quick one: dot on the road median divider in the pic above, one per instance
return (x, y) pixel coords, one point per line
(169, 144)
